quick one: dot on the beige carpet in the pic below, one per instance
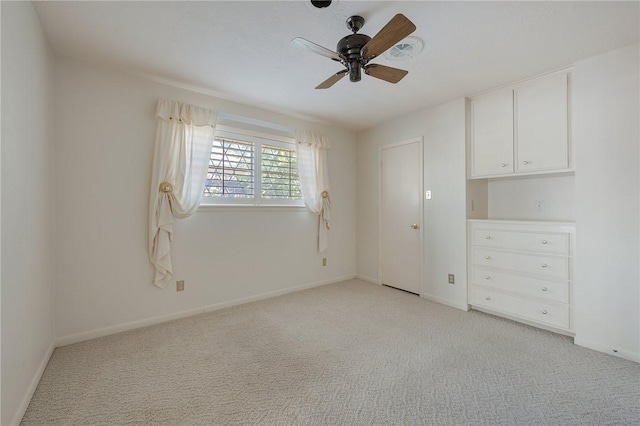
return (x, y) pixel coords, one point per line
(351, 353)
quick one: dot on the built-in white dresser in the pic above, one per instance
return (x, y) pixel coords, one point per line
(523, 270)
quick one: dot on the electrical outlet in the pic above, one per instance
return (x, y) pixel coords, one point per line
(180, 285)
(452, 279)
(324, 261)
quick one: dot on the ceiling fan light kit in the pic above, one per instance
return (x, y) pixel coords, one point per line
(355, 50)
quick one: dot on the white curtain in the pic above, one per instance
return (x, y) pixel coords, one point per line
(314, 180)
(183, 146)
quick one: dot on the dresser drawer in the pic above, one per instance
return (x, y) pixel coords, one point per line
(556, 316)
(545, 266)
(557, 291)
(551, 243)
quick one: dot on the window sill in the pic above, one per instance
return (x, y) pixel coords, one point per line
(249, 208)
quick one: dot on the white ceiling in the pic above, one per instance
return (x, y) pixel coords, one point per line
(241, 50)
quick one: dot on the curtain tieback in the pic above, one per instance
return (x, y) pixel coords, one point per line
(324, 194)
(166, 187)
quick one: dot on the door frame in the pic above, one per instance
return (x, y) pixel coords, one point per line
(420, 141)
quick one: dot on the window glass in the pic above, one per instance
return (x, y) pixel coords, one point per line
(249, 170)
(231, 169)
(279, 173)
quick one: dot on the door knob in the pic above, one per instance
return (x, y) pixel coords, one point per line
(415, 226)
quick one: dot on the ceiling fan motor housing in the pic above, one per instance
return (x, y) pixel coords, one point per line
(350, 47)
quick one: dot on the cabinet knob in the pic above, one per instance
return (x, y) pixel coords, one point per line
(544, 265)
(488, 298)
(544, 242)
(488, 237)
(544, 312)
(487, 257)
(504, 164)
(544, 289)
(525, 162)
(488, 277)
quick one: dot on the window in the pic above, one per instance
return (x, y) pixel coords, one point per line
(279, 175)
(231, 170)
(250, 170)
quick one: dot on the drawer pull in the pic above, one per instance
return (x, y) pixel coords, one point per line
(488, 257)
(544, 289)
(488, 298)
(488, 277)
(544, 312)
(504, 164)
(488, 237)
(525, 162)
(544, 241)
(544, 265)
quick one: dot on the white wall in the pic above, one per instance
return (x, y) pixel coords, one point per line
(103, 161)
(443, 129)
(606, 114)
(517, 198)
(27, 198)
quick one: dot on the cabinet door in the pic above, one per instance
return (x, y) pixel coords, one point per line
(492, 134)
(541, 141)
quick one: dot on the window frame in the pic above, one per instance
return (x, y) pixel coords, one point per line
(258, 140)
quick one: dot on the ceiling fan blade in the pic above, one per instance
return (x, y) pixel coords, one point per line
(332, 80)
(315, 48)
(396, 29)
(392, 75)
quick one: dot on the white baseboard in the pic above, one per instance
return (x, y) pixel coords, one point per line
(368, 279)
(26, 399)
(607, 349)
(462, 306)
(101, 332)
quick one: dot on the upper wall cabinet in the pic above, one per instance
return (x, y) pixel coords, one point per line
(492, 133)
(521, 130)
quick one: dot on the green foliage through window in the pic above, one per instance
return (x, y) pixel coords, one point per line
(280, 173)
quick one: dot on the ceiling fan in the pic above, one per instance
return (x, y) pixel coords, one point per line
(356, 50)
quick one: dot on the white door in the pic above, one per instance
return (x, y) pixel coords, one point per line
(401, 216)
